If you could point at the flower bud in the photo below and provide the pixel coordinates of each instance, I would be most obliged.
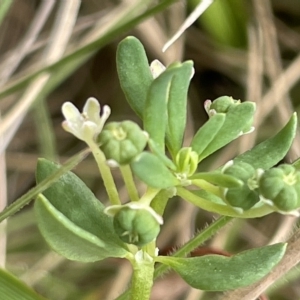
(245, 196)
(122, 141)
(226, 105)
(280, 187)
(186, 161)
(135, 223)
(220, 105)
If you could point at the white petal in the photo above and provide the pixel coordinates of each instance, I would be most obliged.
(72, 128)
(91, 109)
(70, 112)
(105, 115)
(88, 131)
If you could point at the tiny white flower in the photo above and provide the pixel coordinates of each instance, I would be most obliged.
(87, 125)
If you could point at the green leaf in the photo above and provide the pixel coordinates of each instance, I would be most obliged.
(11, 288)
(207, 132)
(73, 205)
(177, 106)
(219, 273)
(164, 108)
(68, 239)
(134, 73)
(150, 169)
(234, 124)
(219, 179)
(268, 153)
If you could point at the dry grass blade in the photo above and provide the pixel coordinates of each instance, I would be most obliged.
(59, 38)
(3, 203)
(198, 11)
(15, 57)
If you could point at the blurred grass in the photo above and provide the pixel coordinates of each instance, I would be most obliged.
(240, 48)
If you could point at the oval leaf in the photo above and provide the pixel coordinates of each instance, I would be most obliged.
(268, 153)
(74, 200)
(68, 239)
(219, 273)
(11, 288)
(134, 73)
(151, 170)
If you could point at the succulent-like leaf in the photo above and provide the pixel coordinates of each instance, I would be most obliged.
(219, 273)
(73, 204)
(232, 127)
(150, 169)
(134, 73)
(165, 109)
(207, 133)
(268, 153)
(177, 105)
(68, 239)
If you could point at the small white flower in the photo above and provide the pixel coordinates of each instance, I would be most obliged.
(87, 125)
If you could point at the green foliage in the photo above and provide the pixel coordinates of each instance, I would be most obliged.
(206, 134)
(219, 273)
(78, 226)
(165, 109)
(236, 121)
(269, 152)
(134, 73)
(150, 169)
(72, 220)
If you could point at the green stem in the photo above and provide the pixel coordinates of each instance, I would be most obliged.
(129, 182)
(107, 177)
(149, 195)
(202, 236)
(160, 201)
(223, 209)
(195, 242)
(142, 279)
(203, 184)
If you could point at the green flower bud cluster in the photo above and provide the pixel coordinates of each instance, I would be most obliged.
(220, 105)
(280, 187)
(186, 161)
(122, 141)
(135, 223)
(225, 105)
(245, 196)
